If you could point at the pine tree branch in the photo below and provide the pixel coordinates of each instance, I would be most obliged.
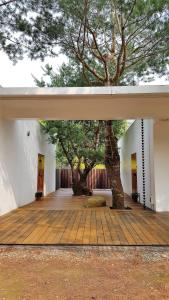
(7, 2)
(116, 16)
(85, 76)
(148, 52)
(130, 13)
(81, 59)
(121, 56)
(137, 21)
(144, 56)
(100, 54)
(141, 28)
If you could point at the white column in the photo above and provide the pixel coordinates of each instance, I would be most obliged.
(161, 165)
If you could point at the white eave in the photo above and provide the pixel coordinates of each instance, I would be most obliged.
(85, 102)
(79, 91)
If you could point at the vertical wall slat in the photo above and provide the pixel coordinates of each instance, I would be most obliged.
(97, 179)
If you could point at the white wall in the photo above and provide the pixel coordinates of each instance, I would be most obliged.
(127, 146)
(131, 143)
(19, 163)
(161, 165)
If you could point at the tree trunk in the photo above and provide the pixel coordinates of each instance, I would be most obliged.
(112, 163)
(79, 184)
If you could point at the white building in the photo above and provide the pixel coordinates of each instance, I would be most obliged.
(144, 152)
(22, 147)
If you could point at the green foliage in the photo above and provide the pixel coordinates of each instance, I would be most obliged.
(122, 40)
(69, 75)
(119, 127)
(29, 27)
(79, 142)
(76, 143)
(117, 38)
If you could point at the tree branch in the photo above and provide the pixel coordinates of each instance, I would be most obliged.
(130, 13)
(122, 53)
(146, 52)
(81, 59)
(100, 57)
(141, 57)
(141, 28)
(7, 2)
(70, 159)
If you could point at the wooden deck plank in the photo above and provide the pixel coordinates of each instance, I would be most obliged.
(127, 233)
(93, 231)
(87, 228)
(49, 226)
(153, 238)
(106, 231)
(27, 227)
(65, 239)
(132, 229)
(15, 226)
(156, 230)
(115, 217)
(139, 230)
(112, 229)
(74, 229)
(43, 223)
(80, 231)
(99, 228)
(60, 227)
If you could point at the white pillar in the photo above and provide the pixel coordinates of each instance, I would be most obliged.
(161, 165)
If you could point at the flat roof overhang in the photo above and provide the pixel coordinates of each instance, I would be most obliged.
(85, 103)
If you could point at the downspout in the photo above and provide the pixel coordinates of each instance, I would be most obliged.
(143, 163)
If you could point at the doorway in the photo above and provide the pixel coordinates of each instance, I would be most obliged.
(40, 180)
(134, 172)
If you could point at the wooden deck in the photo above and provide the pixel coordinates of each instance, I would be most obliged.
(63, 219)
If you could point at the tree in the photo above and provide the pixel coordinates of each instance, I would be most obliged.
(72, 75)
(112, 163)
(81, 143)
(114, 37)
(113, 40)
(119, 37)
(122, 37)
